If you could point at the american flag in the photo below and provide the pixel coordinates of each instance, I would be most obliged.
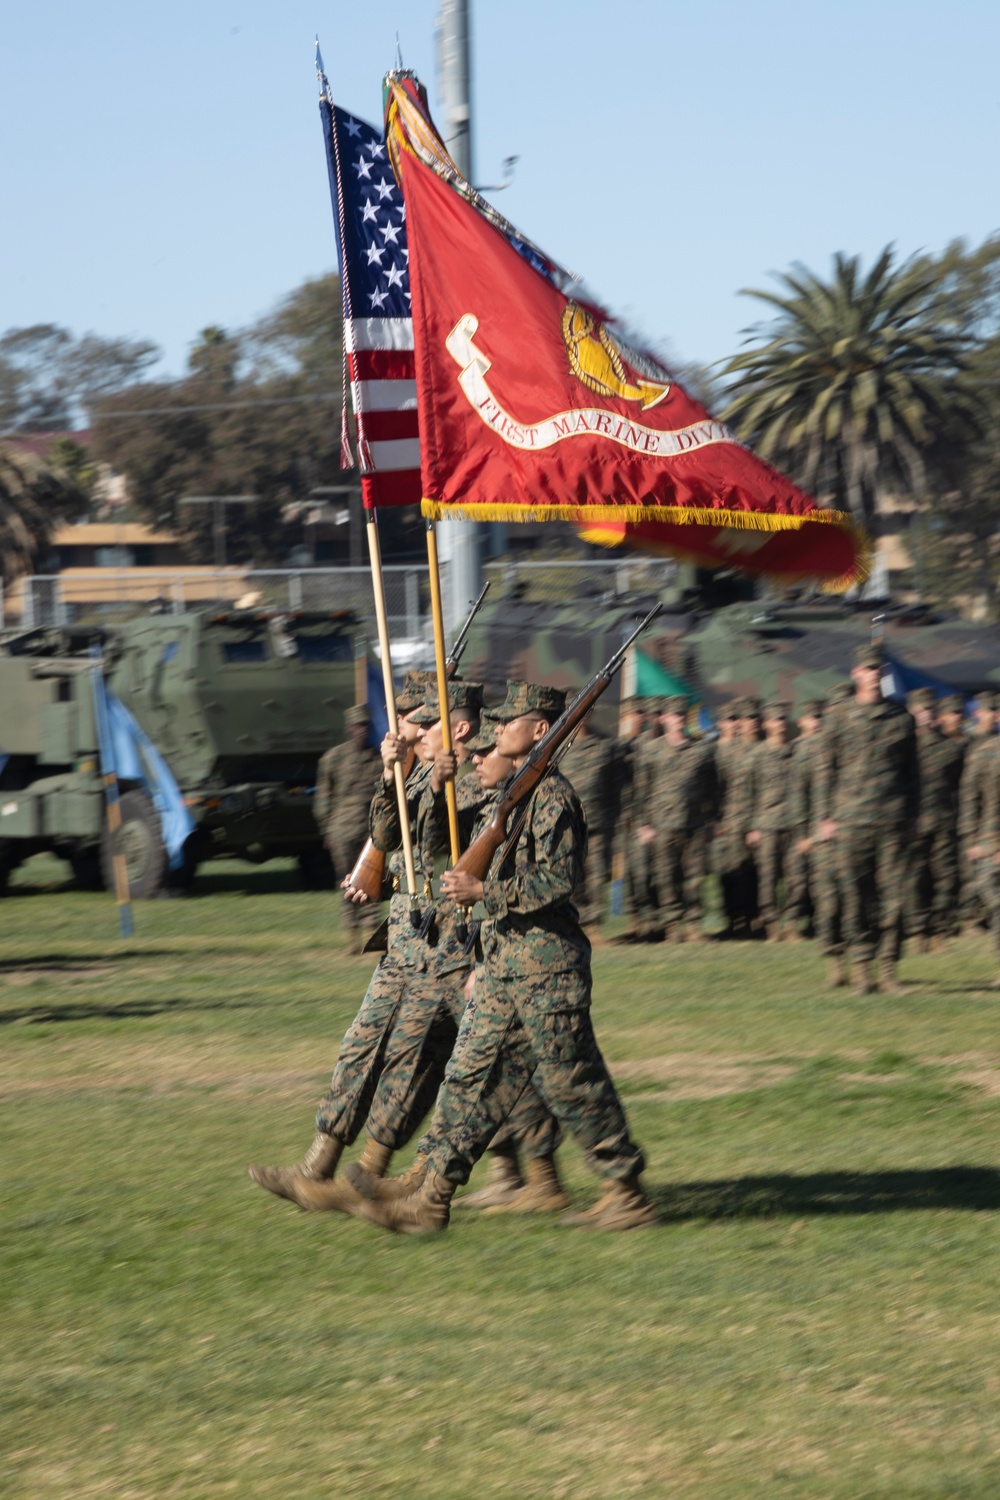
(370, 219)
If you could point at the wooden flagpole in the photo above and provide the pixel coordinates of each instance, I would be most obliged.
(375, 557)
(437, 616)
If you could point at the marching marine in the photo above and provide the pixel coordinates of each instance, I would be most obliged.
(529, 1017)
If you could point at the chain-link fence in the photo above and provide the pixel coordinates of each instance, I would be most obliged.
(566, 582)
(108, 596)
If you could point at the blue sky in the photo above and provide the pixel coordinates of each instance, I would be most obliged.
(163, 164)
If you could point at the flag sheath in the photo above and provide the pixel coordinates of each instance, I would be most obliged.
(442, 677)
(378, 587)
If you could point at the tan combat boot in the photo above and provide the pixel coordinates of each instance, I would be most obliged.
(385, 1189)
(836, 972)
(622, 1205)
(503, 1181)
(374, 1157)
(864, 984)
(318, 1165)
(887, 982)
(542, 1193)
(424, 1212)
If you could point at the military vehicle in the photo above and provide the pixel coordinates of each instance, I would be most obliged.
(240, 704)
(791, 650)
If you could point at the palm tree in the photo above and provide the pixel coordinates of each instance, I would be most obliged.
(34, 498)
(854, 381)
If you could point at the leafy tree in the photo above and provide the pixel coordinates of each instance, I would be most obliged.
(258, 413)
(956, 541)
(855, 381)
(34, 498)
(48, 378)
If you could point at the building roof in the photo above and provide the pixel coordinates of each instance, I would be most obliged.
(112, 534)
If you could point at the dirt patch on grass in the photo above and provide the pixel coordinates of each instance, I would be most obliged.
(55, 972)
(691, 1075)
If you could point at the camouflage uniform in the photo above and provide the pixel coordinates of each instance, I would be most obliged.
(868, 782)
(589, 768)
(986, 833)
(529, 1018)
(639, 899)
(344, 779)
(730, 856)
(815, 879)
(769, 811)
(975, 794)
(932, 887)
(677, 792)
(359, 1090)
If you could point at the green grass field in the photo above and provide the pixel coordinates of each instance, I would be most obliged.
(817, 1316)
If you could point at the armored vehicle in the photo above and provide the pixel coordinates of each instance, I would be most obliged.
(240, 705)
(787, 650)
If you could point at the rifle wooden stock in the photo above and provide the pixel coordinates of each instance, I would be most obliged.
(534, 768)
(368, 875)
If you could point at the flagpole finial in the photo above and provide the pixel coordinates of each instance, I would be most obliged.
(399, 54)
(321, 78)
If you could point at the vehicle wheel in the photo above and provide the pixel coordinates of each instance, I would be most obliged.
(316, 868)
(85, 862)
(140, 840)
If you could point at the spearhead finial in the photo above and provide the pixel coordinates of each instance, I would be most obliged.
(399, 55)
(324, 87)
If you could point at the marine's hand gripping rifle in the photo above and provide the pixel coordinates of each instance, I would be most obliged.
(541, 759)
(369, 870)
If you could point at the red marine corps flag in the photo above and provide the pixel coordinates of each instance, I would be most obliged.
(533, 407)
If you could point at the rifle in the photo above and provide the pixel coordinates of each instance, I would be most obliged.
(541, 759)
(368, 874)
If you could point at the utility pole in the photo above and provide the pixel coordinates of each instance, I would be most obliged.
(461, 542)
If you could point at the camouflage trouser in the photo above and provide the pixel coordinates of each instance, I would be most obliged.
(772, 858)
(680, 859)
(504, 1043)
(871, 872)
(931, 908)
(975, 901)
(800, 899)
(392, 1094)
(529, 1129)
(737, 878)
(591, 893)
(826, 898)
(640, 901)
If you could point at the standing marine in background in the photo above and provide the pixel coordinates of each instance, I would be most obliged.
(933, 877)
(677, 792)
(731, 858)
(344, 780)
(770, 817)
(977, 778)
(868, 797)
(639, 729)
(589, 767)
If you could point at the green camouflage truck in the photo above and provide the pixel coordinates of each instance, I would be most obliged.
(241, 705)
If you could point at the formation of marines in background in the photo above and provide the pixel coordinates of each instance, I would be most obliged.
(873, 825)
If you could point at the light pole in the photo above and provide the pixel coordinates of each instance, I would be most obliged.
(219, 502)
